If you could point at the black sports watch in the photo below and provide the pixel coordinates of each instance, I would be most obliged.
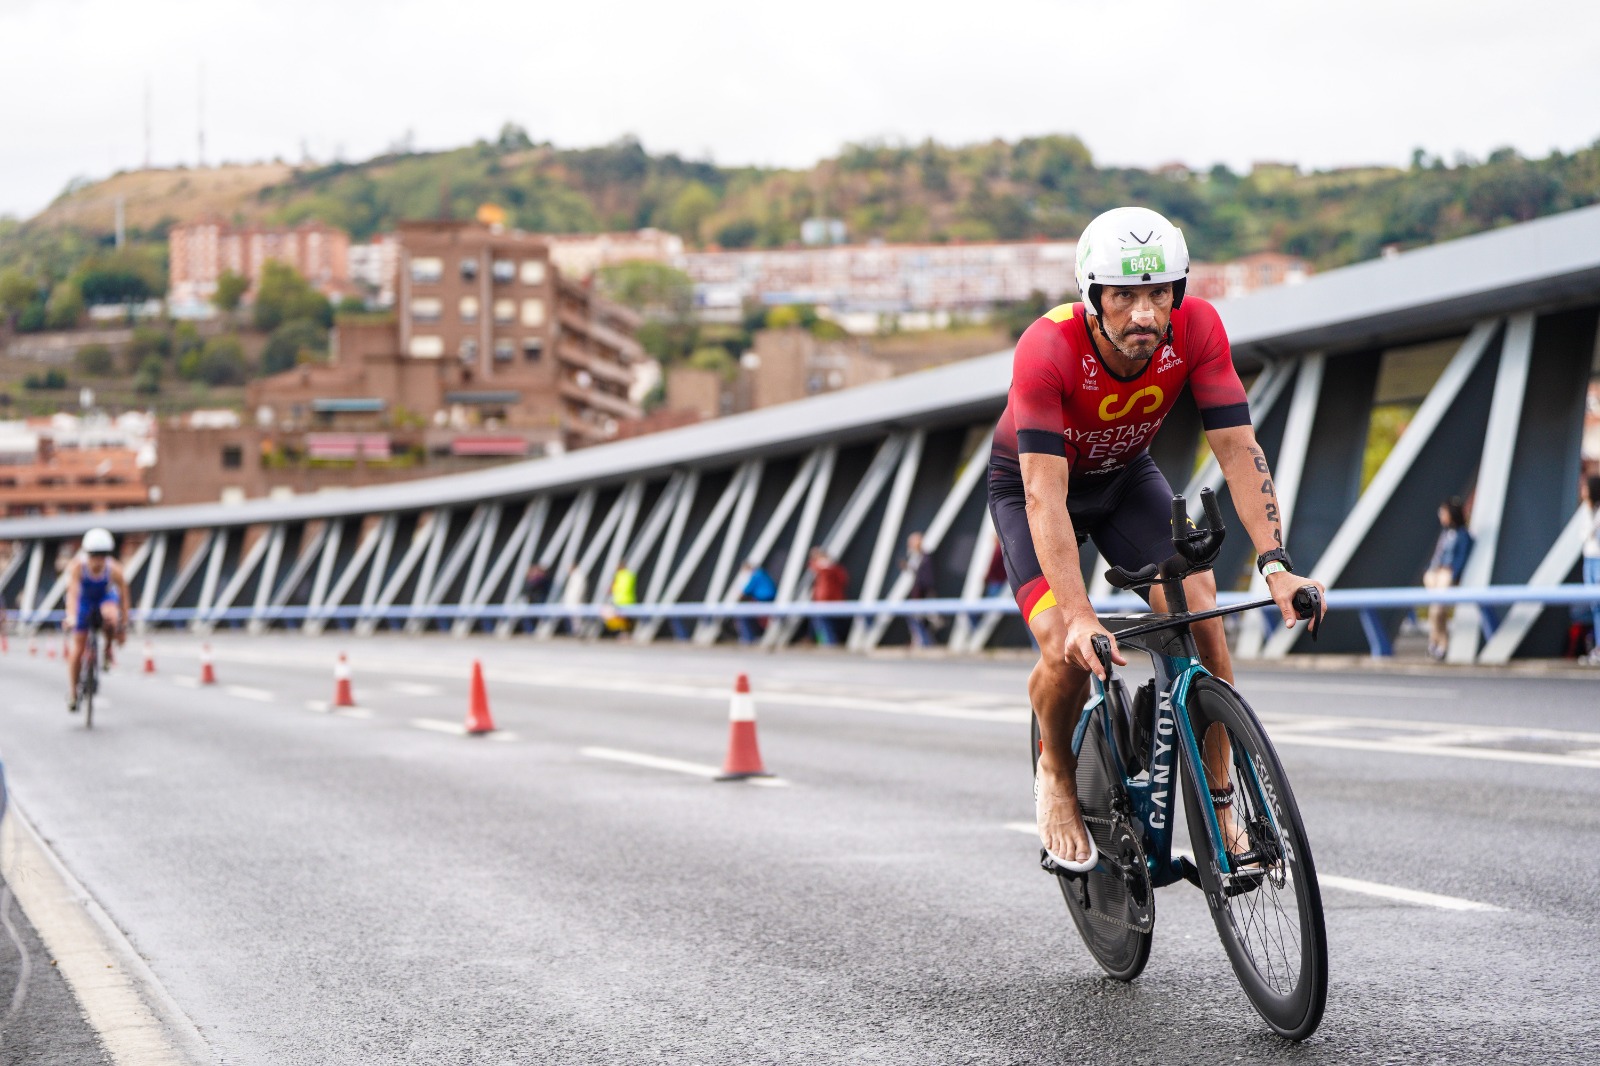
(1276, 555)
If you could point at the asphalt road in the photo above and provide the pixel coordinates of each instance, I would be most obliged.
(312, 887)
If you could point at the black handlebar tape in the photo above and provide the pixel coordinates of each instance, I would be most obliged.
(1208, 500)
(1180, 518)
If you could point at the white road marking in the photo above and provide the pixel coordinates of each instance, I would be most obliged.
(245, 692)
(440, 726)
(1408, 737)
(656, 762)
(1404, 895)
(186, 682)
(119, 996)
(324, 707)
(1347, 884)
(458, 729)
(1348, 688)
(1412, 746)
(412, 688)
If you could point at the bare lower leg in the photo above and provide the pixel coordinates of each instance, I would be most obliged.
(74, 658)
(1057, 692)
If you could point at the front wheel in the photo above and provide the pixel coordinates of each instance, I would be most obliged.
(1267, 908)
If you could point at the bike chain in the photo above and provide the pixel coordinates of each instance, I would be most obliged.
(1144, 873)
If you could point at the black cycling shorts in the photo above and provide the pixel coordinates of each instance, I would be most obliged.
(1129, 518)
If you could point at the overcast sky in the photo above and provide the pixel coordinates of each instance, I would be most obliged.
(741, 81)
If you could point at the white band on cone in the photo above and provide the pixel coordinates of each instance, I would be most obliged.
(741, 708)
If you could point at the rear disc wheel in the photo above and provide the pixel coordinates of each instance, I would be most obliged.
(1114, 904)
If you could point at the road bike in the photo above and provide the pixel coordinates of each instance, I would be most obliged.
(89, 669)
(1262, 892)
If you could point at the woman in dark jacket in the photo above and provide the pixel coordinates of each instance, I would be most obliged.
(1444, 570)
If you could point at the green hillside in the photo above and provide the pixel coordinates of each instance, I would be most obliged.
(1037, 187)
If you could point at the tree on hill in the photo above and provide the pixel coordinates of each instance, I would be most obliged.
(231, 287)
(288, 341)
(283, 295)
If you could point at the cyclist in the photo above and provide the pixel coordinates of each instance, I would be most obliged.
(1091, 384)
(96, 588)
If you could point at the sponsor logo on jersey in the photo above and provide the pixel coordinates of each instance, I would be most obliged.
(1169, 360)
(1091, 371)
(1113, 407)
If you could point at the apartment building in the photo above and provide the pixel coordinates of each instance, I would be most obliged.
(882, 279)
(492, 354)
(579, 255)
(199, 253)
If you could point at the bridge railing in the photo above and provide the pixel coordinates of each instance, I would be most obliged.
(1366, 601)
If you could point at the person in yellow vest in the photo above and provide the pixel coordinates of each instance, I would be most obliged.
(624, 593)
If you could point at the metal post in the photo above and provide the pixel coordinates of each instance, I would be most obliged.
(1494, 480)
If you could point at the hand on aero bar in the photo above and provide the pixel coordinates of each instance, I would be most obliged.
(1284, 585)
(1078, 650)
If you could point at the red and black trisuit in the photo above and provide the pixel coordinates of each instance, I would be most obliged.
(1065, 401)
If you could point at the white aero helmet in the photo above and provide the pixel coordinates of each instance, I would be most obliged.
(1131, 246)
(98, 541)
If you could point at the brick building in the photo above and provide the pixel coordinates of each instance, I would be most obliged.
(198, 253)
(64, 465)
(491, 354)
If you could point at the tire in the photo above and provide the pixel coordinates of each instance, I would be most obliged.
(1113, 905)
(89, 681)
(1271, 924)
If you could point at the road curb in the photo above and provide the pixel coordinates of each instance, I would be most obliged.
(121, 998)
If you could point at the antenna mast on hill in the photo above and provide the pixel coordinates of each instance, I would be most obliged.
(200, 118)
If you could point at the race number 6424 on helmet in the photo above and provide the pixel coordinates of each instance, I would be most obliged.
(1131, 246)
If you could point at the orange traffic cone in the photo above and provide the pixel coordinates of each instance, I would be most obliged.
(478, 720)
(33, 647)
(744, 756)
(208, 676)
(5, 645)
(341, 683)
(149, 658)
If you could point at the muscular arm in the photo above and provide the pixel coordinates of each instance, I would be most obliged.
(1255, 498)
(72, 594)
(1244, 464)
(121, 578)
(1044, 479)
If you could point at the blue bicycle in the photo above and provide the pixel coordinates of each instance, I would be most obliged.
(1251, 857)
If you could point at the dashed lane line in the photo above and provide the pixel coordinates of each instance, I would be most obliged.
(245, 692)
(1349, 884)
(1404, 895)
(439, 725)
(324, 707)
(656, 762)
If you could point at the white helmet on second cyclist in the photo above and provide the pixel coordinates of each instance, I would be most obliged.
(1131, 246)
(98, 541)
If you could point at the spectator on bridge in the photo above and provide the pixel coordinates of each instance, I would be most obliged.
(828, 583)
(536, 584)
(1450, 553)
(755, 586)
(1591, 558)
(574, 594)
(624, 593)
(919, 564)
